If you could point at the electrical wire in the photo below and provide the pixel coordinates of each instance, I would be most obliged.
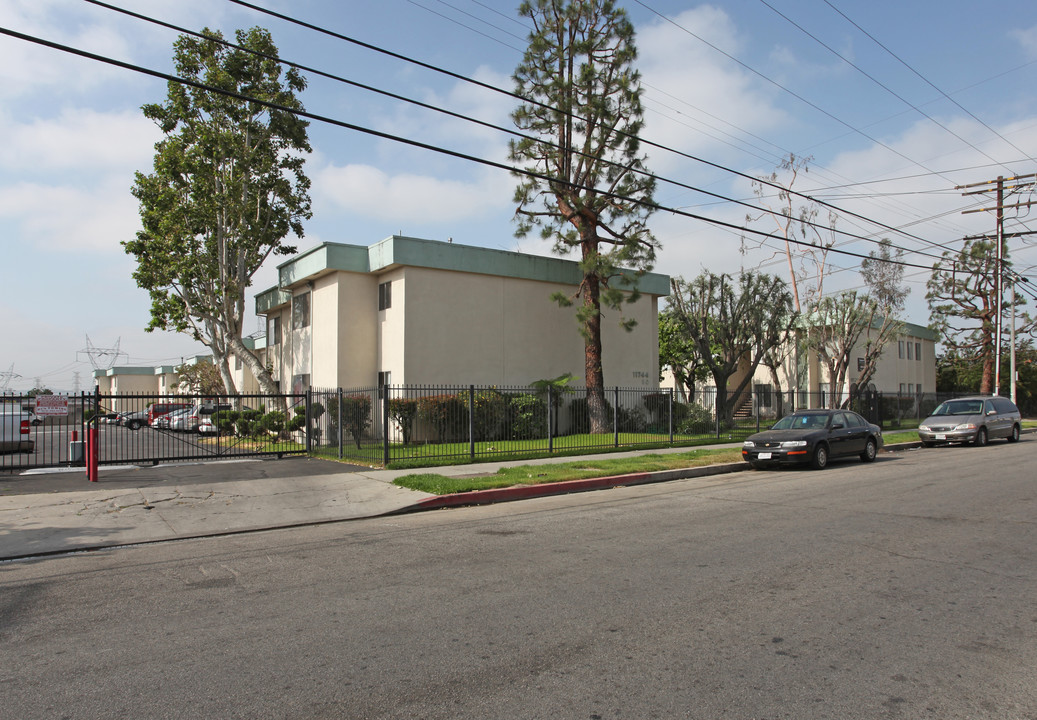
(407, 141)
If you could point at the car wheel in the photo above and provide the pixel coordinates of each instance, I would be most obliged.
(134, 424)
(981, 438)
(1014, 437)
(819, 461)
(870, 451)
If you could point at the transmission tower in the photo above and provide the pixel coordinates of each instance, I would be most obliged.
(101, 358)
(6, 378)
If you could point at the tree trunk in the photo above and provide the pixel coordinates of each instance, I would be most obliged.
(594, 378)
(259, 371)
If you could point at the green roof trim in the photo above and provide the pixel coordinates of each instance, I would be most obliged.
(398, 251)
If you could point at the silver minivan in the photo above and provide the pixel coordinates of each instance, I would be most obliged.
(971, 420)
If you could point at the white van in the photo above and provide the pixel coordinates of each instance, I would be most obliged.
(15, 431)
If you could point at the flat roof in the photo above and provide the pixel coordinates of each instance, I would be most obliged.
(400, 251)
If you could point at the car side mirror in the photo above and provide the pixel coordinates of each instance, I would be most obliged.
(838, 426)
(991, 412)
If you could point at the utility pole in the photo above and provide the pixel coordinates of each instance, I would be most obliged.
(999, 266)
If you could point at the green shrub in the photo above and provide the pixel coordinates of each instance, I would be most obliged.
(356, 416)
(446, 414)
(579, 415)
(403, 412)
(693, 419)
(490, 416)
(529, 417)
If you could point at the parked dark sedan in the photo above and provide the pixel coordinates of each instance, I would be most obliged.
(814, 436)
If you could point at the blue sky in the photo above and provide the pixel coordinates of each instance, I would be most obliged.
(947, 101)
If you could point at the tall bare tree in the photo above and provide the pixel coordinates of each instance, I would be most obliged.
(590, 195)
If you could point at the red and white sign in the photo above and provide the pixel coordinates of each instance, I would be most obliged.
(52, 405)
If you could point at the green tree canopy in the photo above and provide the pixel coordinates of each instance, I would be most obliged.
(583, 113)
(227, 189)
(962, 295)
(733, 324)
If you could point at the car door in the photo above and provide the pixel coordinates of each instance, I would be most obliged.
(994, 420)
(841, 436)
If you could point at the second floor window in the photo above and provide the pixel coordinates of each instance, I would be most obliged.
(273, 330)
(301, 311)
(385, 296)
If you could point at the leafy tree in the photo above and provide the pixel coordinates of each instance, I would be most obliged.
(733, 324)
(592, 197)
(885, 281)
(201, 378)
(960, 373)
(227, 188)
(962, 295)
(678, 352)
(835, 330)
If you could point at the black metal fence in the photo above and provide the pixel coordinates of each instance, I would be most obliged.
(152, 429)
(411, 425)
(428, 425)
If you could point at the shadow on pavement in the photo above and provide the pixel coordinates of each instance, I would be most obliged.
(123, 477)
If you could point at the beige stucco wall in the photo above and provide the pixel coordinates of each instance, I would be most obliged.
(466, 328)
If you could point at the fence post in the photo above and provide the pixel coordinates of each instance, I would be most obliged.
(669, 416)
(550, 420)
(309, 421)
(385, 424)
(471, 421)
(615, 417)
(757, 404)
(339, 426)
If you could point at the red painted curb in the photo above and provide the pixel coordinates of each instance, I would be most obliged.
(523, 492)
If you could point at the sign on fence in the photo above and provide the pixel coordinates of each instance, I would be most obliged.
(52, 405)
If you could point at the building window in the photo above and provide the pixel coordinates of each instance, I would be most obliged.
(384, 380)
(909, 349)
(901, 348)
(918, 351)
(273, 330)
(301, 311)
(763, 395)
(903, 389)
(385, 296)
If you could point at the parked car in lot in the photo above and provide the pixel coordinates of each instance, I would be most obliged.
(165, 422)
(15, 433)
(814, 436)
(157, 410)
(971, 420)
(133, 420)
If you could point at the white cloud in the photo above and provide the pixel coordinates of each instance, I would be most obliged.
(372, 193)
(694, 95)
(1027, 39)
(91, 218)
(80, 139)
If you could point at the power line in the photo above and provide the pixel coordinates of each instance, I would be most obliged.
(877, 82)
(492, 88)
(407, 141)
(927, 82)
(434, 108)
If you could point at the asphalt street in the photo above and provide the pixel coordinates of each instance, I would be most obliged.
(901, 589)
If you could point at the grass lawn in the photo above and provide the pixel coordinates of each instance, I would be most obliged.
(538, 474)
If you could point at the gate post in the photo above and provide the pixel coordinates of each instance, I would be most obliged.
(615, 418)
(339, 425)
(471, 422)
(384, 394)
(550, 420)
(309, 422)
(669, 415)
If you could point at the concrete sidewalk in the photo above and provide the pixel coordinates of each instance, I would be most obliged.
(132, 505)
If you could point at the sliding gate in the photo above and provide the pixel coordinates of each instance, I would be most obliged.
(135, 429)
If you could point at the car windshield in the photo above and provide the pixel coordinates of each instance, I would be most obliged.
(960, 407)
(801, 422)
